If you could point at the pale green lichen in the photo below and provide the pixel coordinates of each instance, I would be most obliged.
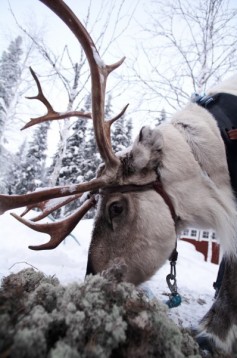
(99, 318)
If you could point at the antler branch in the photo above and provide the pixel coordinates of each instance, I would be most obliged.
(8, 202)
(51, 114)
(99, 74)
(49, 206)
(43, 198)
(109, 123)
(58, 231)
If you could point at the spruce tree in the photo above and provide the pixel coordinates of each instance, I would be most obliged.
(70, 172)
(73, 160)
(10, 73)
(91, 156)
(16, 169)
(121, 134)
(161, 118)
(33, 167)
(121, 131)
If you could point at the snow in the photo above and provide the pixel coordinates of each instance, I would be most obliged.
(68, 262)
(52, 203)
(98, 60)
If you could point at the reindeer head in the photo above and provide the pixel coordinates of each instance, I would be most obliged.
(134, 223)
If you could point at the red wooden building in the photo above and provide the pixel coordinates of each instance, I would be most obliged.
(204, 242)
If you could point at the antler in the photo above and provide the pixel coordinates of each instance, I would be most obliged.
(58, 231)
(49, 206)
(51, 113)
(45, 199)
(99, 74)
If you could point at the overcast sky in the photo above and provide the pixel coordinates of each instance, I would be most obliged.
(32, 14)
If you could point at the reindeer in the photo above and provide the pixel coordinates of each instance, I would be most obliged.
(171, 177)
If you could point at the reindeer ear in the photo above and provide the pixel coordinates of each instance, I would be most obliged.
(147, 148)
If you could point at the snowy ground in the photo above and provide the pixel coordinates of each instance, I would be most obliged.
(68, 263)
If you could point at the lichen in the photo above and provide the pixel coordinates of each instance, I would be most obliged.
(101, 317)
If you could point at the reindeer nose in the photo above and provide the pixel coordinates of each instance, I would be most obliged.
(89, 269)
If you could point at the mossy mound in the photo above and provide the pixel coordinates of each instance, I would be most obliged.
(99, 318)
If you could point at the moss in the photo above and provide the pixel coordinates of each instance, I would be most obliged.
(63, 350)
(99, 318)
(29, 343)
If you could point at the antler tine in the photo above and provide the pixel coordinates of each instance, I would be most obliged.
(109, 123)
(8, 202)
(49, 206)
(51, 114)
(58, 231)
(99, 74)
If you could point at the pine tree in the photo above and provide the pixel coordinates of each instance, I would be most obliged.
(33, 168)
(71, 170)
(161, 118)
(73, 160)
(121, 134)
(121, 131)
(91, 156)
(16, 169)
(10, 72)
(71, 163)
(5, 159)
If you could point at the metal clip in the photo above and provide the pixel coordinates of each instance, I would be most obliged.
(171, 278)
(174, 298)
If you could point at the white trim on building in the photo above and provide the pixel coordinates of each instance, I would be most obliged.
(198, 235)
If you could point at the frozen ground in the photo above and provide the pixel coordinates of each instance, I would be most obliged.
(68, 263)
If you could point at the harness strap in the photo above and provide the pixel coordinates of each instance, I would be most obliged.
(126, 188)
(156, 185)
(160, 190)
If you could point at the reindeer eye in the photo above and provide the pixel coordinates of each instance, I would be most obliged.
(115, 209)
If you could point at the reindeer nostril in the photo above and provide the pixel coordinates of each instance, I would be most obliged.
(115, 209)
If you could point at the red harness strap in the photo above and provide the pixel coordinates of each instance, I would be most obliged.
(157, 185)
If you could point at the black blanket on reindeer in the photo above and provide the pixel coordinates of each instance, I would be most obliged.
(223, 107)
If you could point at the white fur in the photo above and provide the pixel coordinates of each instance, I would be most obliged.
(146, 148)
(227, 86)
(208, 197)
(194, 172)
